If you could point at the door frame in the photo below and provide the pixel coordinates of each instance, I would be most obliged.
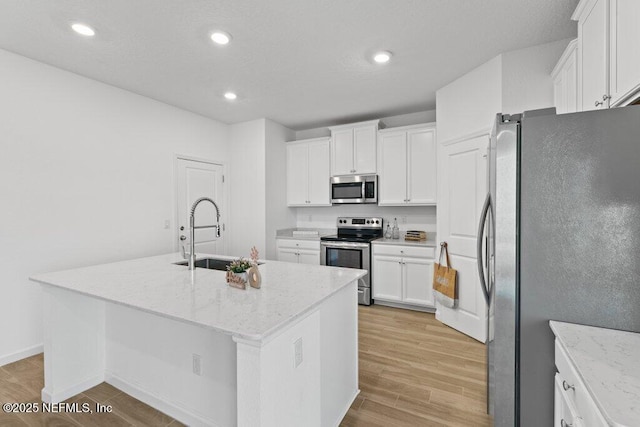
(225, 196)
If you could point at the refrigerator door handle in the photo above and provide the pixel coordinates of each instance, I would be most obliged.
(483, 220)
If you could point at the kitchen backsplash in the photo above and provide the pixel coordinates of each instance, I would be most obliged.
(409, 218)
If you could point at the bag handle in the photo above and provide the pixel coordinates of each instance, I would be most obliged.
(444, 247)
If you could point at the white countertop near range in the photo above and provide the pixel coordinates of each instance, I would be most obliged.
(607, 362)
(429, 243)
(307, 233)
(202, 297)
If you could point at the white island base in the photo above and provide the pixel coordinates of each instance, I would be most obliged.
(303, 371)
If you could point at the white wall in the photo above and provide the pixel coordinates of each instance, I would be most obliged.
(469, 104)
(86, 177)
(278, 215)
(247, 221)
(409, 217)
(257, 185)
(526, 77)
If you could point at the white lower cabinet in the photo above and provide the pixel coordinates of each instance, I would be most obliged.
(573, 404)
(298, 251)
(403, 274)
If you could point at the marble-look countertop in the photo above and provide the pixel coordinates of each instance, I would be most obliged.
(607, 362)
(287, 233)
(429, 243)
(202, 297)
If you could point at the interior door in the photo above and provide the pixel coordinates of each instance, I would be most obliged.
(462, 188)
(197, 179)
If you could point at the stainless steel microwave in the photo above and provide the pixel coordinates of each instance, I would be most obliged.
(354, 189)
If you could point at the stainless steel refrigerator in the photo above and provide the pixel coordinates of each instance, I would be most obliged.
(559, 239)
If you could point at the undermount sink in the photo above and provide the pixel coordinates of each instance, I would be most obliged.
(210, 263)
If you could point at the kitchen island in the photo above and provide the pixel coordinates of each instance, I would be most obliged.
(205, 353)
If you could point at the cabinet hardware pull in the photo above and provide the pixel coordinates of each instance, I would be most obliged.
(563, 423)
(605, 97)
(183, 237)
(598, 103)
(567, 386)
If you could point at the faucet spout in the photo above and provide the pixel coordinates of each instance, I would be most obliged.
(192, 228)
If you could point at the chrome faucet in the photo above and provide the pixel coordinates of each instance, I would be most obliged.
(192, 228)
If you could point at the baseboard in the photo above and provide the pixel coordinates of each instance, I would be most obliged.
(19, 355)
(175, 411)
(405, 306)
(346, 409)
(60, 396)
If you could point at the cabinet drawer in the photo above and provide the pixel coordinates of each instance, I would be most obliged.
(299, 244)
(577, 392)
(400, 251)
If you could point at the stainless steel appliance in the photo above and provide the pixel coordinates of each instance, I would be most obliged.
(562, 224)
(354, 189)
(351, 248)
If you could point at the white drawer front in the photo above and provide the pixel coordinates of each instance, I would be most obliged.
(575, 391)
(400, 251)
(299, 244)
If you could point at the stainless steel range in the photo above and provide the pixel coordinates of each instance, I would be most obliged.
(351, 248)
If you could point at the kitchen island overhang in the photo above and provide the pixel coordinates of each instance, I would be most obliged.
(201, 351)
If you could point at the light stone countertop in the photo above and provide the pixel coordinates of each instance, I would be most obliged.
(607, 362)
(429, 243)
(202, 297)
(287, 233)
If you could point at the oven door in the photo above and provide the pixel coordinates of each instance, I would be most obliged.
(350, 255)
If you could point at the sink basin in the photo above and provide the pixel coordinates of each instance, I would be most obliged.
(210, 263)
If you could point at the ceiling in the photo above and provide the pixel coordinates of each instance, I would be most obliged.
(301, 63)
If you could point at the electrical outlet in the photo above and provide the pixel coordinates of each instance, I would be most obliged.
(309, 218)
(167, 224)
(297, 351)
(197, 364)
(403, 219)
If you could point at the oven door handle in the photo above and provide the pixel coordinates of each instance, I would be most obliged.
(344, 244)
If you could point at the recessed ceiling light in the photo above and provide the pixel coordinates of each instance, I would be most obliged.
(382, 57)
(83, 29)
(221, 37)
(230, 96)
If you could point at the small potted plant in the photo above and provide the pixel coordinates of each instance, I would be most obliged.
(239, 268)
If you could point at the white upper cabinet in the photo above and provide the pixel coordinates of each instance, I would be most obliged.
(407, 165)
(353, 148)
(608, 54)
(624, 74)
(565, 80)
(308, 173)
(593, 46)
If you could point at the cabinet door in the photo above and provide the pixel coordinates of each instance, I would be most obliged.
(319, 174)
(288, 255)
(570, 82)
(417, 281)
(421, 167)
(309, 257)
(593, 39)
(624, 70)
(387, 278)
(364, 147)
(297, 175)
(392, 182)
(342, 152)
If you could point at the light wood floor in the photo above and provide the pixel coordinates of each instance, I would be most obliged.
(414, 371)
(22, 381)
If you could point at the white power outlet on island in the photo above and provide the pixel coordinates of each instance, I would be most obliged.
(197, 364)
(297, 350)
